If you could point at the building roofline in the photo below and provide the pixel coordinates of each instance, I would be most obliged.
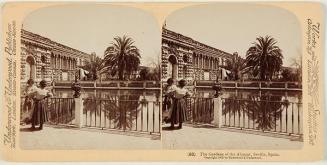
(197, 43)
(54, 43)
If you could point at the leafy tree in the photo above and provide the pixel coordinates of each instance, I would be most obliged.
(264, 58)
(94, 67)
(236, 65)
(144, 74)
(288, 75)
(297, 63)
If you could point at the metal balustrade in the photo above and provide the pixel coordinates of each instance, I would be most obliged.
(58, 110)
(119, 114)
(125, 115)
(251, 85)
(256, 113)
(151, 85)
(199, 110)
(264, 115)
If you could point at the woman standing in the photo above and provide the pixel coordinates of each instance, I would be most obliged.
(178, 115)
(39, 115)
(168, 99)
(28, 102)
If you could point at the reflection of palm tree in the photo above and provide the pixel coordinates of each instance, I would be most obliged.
(121, 110)
(200, 109)
(60, 110)
(265, 111)
(264, 58)
(122, 57)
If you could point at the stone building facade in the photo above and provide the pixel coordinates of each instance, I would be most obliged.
(44, 59)
(185, 58)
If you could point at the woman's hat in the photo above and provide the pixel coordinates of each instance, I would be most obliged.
(30, 81)
(182, 82)
(43, 83)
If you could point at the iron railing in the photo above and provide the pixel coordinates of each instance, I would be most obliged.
(111, 84)
(199, 110)
(293, 86)
(282, 117)
(264, 115)
(58, 110)
(125, 115)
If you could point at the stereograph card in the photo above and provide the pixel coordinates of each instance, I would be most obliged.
(212, 81)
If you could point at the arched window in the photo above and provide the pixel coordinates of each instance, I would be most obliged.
(43, 58)
(30, 68)
(185, 58)
(172, 67)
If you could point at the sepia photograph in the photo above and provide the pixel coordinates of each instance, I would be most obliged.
(90, 78)
(232, 78)
(162, 81)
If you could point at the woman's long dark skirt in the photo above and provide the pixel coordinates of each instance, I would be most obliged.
(178, 115)
(39, 115)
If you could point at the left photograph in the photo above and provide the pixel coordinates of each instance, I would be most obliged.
(90, 78)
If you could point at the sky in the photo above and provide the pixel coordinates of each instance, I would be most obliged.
(234, 27)
(92, 28)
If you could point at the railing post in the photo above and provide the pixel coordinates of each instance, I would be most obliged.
(217, 109)
(144, 84)
(78, 112)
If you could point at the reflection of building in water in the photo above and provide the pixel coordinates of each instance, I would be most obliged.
(44, 59)
(185, 58)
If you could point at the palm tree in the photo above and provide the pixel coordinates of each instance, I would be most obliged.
(264, 58)
(94, 66)
(122, 57)
(236, 65)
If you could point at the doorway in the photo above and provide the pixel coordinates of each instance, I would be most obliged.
(30, 68)
(172, 67)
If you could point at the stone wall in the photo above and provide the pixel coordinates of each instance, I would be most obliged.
(194, 58)
(48, 59)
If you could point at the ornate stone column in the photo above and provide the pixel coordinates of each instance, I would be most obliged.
(59, 62)
(210, 66)
(202, 61)
(198, 61)
(55, 59)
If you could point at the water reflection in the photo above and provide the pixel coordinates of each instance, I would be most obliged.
(279, 111)
(135, 110)
(266, 112)
(120, 110)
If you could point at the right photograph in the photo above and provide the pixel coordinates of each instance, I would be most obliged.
(231, 78)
